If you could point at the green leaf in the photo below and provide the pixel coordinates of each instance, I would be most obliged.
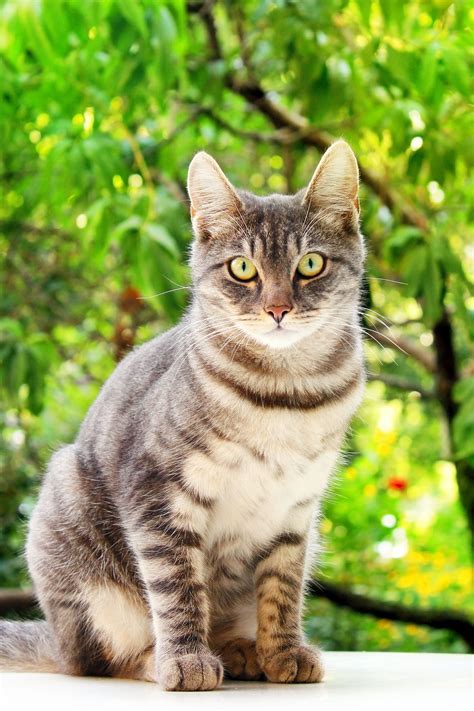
(133, 12)
(131, 224)
(456, 70)
(414, 269)
(161, 236)
(393, 12)
(463, 391)
(16, 366)
(36, 36)
(10, 330)
(428, 72)
(36, 385)
(401, 239)
(365, 7)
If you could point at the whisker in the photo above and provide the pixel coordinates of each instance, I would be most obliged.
(162, 293)
(393, 281)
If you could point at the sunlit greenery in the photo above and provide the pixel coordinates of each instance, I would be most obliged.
(102, 106)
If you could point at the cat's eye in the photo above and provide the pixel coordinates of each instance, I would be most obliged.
(311, 265)
(242, 269)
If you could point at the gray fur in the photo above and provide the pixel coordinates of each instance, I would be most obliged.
(177, 531)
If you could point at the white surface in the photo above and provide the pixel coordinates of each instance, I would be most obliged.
(365, 681)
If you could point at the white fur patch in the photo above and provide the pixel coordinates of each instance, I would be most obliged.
(121, 622)
(254, 499)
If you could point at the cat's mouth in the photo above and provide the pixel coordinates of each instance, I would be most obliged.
(275, 335)
(279, 328)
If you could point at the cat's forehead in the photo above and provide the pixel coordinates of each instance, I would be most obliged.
(283, 225)
(272, 211)
(271, 227)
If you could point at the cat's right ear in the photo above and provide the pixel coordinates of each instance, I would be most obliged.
(213, 198)
(335, 183)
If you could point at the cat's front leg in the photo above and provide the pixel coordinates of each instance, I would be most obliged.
(168, 541)
(281, 649)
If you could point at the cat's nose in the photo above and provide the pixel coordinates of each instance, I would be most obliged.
(278, 312)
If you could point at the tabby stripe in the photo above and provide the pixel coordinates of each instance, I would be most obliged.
(256, 363)
(190, 639)
(284, 539)
(160, 550)
(264, 597)
(281, 577)
(171, 586)
(195, 496)
(298, 401)
(220, 435)
(348, 264)
(182, 626)
(288, 539)
(304, 502)
(190, 438)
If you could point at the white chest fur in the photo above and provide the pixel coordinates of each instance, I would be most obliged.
(258, 480)
(269, 459)
(258, 497)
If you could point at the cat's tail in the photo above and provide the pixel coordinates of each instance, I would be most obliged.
(27, 647)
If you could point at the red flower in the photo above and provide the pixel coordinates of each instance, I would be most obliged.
(396, 483)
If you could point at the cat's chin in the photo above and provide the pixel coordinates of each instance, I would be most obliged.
(278, 338)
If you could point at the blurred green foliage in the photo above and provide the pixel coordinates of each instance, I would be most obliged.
(103, 105)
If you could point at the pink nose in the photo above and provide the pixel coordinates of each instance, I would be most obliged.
(278, 312)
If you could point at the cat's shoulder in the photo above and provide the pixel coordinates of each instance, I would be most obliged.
(152, 359)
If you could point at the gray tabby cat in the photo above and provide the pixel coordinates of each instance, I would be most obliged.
(172, 540)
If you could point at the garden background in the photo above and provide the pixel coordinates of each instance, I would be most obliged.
(103, 104)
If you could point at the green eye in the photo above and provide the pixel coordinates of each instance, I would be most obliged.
(311, 265)
(242, 269)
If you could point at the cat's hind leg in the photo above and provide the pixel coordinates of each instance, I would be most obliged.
(106, 633)
(234, 640)
(239, 657)
(77, 648)
(121, 621)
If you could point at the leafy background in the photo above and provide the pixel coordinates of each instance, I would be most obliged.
(102, 106)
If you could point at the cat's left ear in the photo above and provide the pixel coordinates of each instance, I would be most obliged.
(335, 183)
(214, 199)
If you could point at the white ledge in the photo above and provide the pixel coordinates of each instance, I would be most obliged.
(354, 680)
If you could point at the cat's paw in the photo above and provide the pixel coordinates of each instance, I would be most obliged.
(201, 671)
(239, 657)
(295, 665)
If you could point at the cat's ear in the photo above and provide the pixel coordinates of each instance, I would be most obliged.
(213, 198)
(335, 183)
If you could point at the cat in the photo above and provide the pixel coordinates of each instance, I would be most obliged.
(173, 539)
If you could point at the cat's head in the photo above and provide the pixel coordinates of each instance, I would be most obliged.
(279, 268)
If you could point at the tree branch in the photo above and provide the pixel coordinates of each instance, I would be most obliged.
(29, 228)
(447, 375)
(16, 600)
(394, 381)
(282, 136)
(282, 118)
(177, 190)
(405, 345)
(436, 619)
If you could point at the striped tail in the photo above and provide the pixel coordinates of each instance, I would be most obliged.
(27, 647)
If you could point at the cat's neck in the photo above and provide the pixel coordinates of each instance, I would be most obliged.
(227, 342)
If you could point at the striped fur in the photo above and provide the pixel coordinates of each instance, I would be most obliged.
(175, 535)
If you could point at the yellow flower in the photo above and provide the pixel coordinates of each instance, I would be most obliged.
(370, 490)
